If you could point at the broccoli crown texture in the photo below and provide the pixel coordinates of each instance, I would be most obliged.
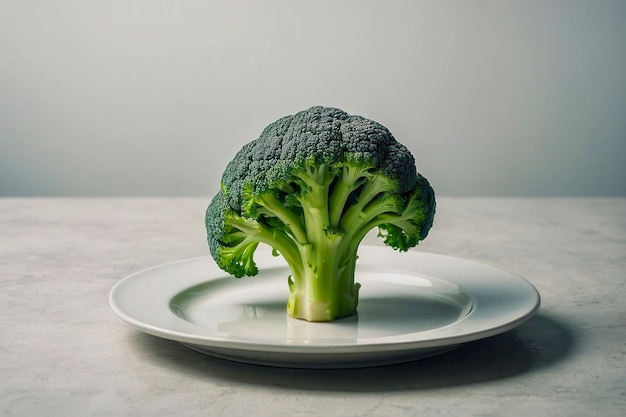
(311, 187)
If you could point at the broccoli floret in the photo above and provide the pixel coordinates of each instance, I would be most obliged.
(311, 187)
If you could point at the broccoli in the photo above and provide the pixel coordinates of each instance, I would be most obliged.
(311, 187)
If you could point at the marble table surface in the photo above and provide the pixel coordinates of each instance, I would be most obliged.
(63, 352)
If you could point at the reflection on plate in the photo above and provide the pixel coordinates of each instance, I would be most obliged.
(411, 305)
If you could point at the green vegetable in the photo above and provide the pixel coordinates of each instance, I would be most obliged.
(311, 187)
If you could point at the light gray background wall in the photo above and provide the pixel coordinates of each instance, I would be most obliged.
(154, 97)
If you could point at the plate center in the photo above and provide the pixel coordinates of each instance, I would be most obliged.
(390, 304)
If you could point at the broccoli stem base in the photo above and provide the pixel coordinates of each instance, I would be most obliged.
(324, 289)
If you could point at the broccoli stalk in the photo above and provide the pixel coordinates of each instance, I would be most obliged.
(314, 209)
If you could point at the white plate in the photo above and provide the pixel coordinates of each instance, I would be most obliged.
(411, 305)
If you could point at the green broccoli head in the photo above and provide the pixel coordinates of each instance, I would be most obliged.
(311, 187)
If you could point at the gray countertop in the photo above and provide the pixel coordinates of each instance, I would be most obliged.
(63, 352)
